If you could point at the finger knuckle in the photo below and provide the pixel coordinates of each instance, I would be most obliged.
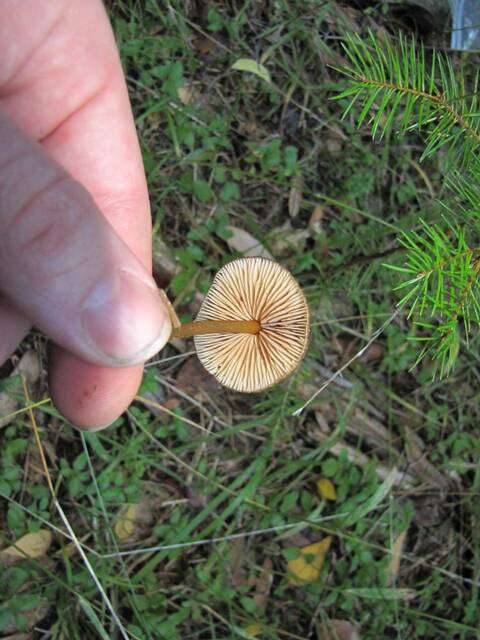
(47, 232)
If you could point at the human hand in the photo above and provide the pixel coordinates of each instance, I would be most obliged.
(75, 246)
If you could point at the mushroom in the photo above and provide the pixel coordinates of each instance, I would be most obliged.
(253, 326)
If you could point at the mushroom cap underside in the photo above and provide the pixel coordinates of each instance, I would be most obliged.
(254, 289)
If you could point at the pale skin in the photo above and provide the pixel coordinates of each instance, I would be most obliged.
(74, 208)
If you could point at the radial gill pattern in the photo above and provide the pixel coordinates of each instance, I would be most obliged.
(254, 289)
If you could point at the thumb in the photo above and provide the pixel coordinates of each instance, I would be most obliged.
(63, 266)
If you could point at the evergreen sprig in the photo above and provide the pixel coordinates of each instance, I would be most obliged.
(442, 288)
(397, 90)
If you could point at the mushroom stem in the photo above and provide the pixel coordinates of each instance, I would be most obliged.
(205, 327)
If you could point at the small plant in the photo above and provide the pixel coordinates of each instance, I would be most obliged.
(400, 89)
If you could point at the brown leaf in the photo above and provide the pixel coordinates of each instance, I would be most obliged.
(32, 545)
(263, 584)
(337, 630)
(419, 464)
(243, 242)
(194, 379)
(334, 145)
(428, 512)
(30, 618)
(295, 197)
(315, 222)
(203, 45)
(349, 347)
(236, 554)
(29, 368)
(164, 266)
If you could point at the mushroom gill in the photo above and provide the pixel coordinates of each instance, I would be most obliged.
(259, 290)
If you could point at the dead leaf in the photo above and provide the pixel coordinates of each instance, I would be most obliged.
(203, 45)
(428, 512)
(253, 630)
(164, 266)
(172, 314)
(295, 197)
(31, 618)
(236, 562)
(186, 94)
(132, 520)
(243, 242)
(125, 525)
(288, 240)
(29, 367)
(326, 489)
(337, 630)
(348, 346)
(8, 405)
(307, 566)
(194, 379)
(419, 463)
(263, 584)
(294, 538)
(334, 146)
(161, 408)
(315, 222)
(395, 558)
(32, 545)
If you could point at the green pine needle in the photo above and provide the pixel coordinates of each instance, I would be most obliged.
(396, 89)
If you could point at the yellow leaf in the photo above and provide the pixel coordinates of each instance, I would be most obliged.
(32, 545)
(253, 629)
(252, 66)
(125, 525)
(306, 568)
(326, 489)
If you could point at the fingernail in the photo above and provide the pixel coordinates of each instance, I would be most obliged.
(125, 319)
(92, 429)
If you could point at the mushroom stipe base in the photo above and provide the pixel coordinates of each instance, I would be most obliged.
(206, 327)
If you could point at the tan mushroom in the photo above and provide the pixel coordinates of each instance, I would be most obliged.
(253, 326)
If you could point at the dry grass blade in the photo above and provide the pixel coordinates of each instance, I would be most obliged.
(65, 521)
(339, 371)
(394, 564)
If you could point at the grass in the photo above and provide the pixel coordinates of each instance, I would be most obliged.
(226, 483)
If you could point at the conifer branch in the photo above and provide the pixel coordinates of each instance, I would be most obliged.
(397, 90)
